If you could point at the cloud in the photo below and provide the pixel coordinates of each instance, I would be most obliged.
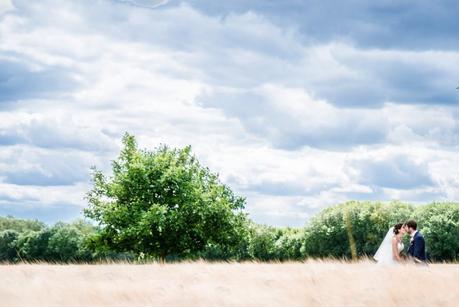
(49, 214)
(382, 24)
(256, 51)
(43, 196)
(346, 76)
(294, 112)
(30, 166)
(5, 6)
(290, 118)
(397, 172)
(408, 77)
(20, 81)
(150, 4)
(40, 130)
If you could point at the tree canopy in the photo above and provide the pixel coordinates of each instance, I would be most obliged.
(163, 203)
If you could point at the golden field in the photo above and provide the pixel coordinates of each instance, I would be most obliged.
(312, 283)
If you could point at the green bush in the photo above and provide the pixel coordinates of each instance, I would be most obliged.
(288, 245)
(263, 242)
(33, 245)
(20, 225)
(439, 223)
(67, 242)
(61, 243)
(342, 231)
(8, 248)
(238, 250)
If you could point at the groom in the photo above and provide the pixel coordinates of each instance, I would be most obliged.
(417, 248)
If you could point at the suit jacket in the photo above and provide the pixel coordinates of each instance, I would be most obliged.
(417, 248)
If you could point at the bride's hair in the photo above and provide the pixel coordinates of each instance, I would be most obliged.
(397, 228)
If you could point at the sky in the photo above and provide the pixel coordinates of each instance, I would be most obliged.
(298, 105)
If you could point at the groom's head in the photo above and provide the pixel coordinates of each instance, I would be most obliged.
(411, 226)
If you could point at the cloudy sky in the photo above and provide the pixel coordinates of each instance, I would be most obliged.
(296, 104)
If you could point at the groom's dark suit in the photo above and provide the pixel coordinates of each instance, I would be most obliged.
(418, 247)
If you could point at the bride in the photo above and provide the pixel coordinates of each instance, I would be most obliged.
(391, 247)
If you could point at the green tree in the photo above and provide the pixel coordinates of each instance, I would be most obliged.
(439, 223)
(263, 242)
(33, 245)
(162, 203)
(237, 250)
(20, 225)
(67, 242)
(288, 245)
(62, 243)
(8, 249)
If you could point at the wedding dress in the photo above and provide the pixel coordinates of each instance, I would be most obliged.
(400, 247)
(384, 253)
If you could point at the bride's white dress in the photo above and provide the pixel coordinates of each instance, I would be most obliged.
(384, 253)
(400, 247)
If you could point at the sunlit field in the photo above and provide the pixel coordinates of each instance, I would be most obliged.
(229, 284)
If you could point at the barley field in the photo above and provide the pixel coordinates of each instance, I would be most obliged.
(312, 283)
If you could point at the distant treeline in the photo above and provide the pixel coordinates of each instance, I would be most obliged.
(332, 233)
(32, 240)
(163, 204)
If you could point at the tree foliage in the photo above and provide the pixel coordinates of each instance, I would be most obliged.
(20, 225)
(439, 223)
(326, 235)
(163, 203)
(60, 243)
(8, 240)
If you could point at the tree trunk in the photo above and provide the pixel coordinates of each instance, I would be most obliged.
(162, 258)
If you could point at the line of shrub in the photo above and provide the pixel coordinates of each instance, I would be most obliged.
(325, 235)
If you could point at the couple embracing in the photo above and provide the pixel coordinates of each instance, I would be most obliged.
(390, 252)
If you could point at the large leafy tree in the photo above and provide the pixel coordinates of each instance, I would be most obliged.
(163, 203)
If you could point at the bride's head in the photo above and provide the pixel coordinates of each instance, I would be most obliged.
(398, 229)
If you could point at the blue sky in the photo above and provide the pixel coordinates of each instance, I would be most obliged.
(298, 105)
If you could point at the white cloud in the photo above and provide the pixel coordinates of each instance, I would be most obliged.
(151, 4)
(5, 6)
(281, 121)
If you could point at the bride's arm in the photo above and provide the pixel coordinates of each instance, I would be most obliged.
(395, 252)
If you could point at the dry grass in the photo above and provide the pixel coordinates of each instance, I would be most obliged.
(239, 284)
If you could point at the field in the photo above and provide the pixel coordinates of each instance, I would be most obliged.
(311, 283)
